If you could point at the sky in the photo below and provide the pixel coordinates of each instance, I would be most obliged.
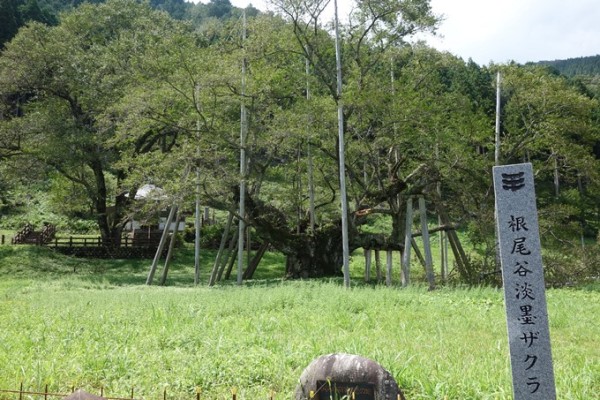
(509, 30)
(519, 30)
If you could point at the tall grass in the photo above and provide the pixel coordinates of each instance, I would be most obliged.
(67, 322)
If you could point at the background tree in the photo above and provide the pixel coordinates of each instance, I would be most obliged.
(73, 72)
(114, 103)
(17, 13)
(553, 125)
(9, 21)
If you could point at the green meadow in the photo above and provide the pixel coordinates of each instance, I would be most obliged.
(95, 325)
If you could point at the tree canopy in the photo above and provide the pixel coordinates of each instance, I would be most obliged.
(135, 97)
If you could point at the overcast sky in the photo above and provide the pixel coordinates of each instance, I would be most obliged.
(509, 30)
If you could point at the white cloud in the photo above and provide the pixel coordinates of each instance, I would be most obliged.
(502, 31)
(525, 30)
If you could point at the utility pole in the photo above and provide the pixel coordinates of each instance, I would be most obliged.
(497, 157)
(497, 148)
(342, 161)
(243, 135)
(197, 222)
(311, 184)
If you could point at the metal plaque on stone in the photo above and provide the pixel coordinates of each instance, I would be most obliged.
(328, 390)
(523, 280)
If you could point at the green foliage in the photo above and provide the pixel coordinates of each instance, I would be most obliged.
(576, 66)
(572, 265)
(210, 235)
(554, 126)
(17, 13)
(77, 70)
(135, 97)
(31, 204)
(68, 198)
(8, 21)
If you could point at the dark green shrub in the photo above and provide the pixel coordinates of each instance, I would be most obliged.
(210, 235)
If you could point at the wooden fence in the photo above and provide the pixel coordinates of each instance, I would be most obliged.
(22, 394)
(95, 247)
(28, 235)
(87, 241)
(141, 246)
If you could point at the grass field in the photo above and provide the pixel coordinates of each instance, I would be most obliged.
(90, 324)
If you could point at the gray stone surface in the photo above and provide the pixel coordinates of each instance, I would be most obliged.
(348, 368)
(523, 280)
(81, 395)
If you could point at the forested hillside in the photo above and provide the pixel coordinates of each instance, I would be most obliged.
(94, 108)
(17, 13)
(582, 69)
(576, 66)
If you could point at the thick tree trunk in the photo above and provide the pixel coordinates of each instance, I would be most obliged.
(309, 255)
(316, 255)
(110, 219)
(100, 204)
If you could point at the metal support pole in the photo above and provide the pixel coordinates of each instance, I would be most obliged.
(243, 135)
(342, 161)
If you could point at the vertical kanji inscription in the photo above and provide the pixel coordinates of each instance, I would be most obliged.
(523, 280)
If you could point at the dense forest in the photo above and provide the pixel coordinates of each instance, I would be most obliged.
(582, 70)
(576, 66)
(17, 13)
(95, 108)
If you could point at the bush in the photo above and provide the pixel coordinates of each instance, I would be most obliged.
(33, 206)
(210, 235)
(572, 266)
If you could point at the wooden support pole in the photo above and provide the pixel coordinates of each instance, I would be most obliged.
(229, 256)
(388, 270)
(248, 247)
(378, 265)
(459, 255)
(407, 244)
(253, 264)
(161, 245)
(426, 244)
(462, 261)
(443, 252)
(197, 226)
(418, 254)
(235, 242)
(163, 279)
(213, 274)
(367, 264)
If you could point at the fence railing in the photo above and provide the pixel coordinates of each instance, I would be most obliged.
(46, 394)
(28, 235)
(87, 241)
(22, 234)
(95, 247)
(48, 233)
